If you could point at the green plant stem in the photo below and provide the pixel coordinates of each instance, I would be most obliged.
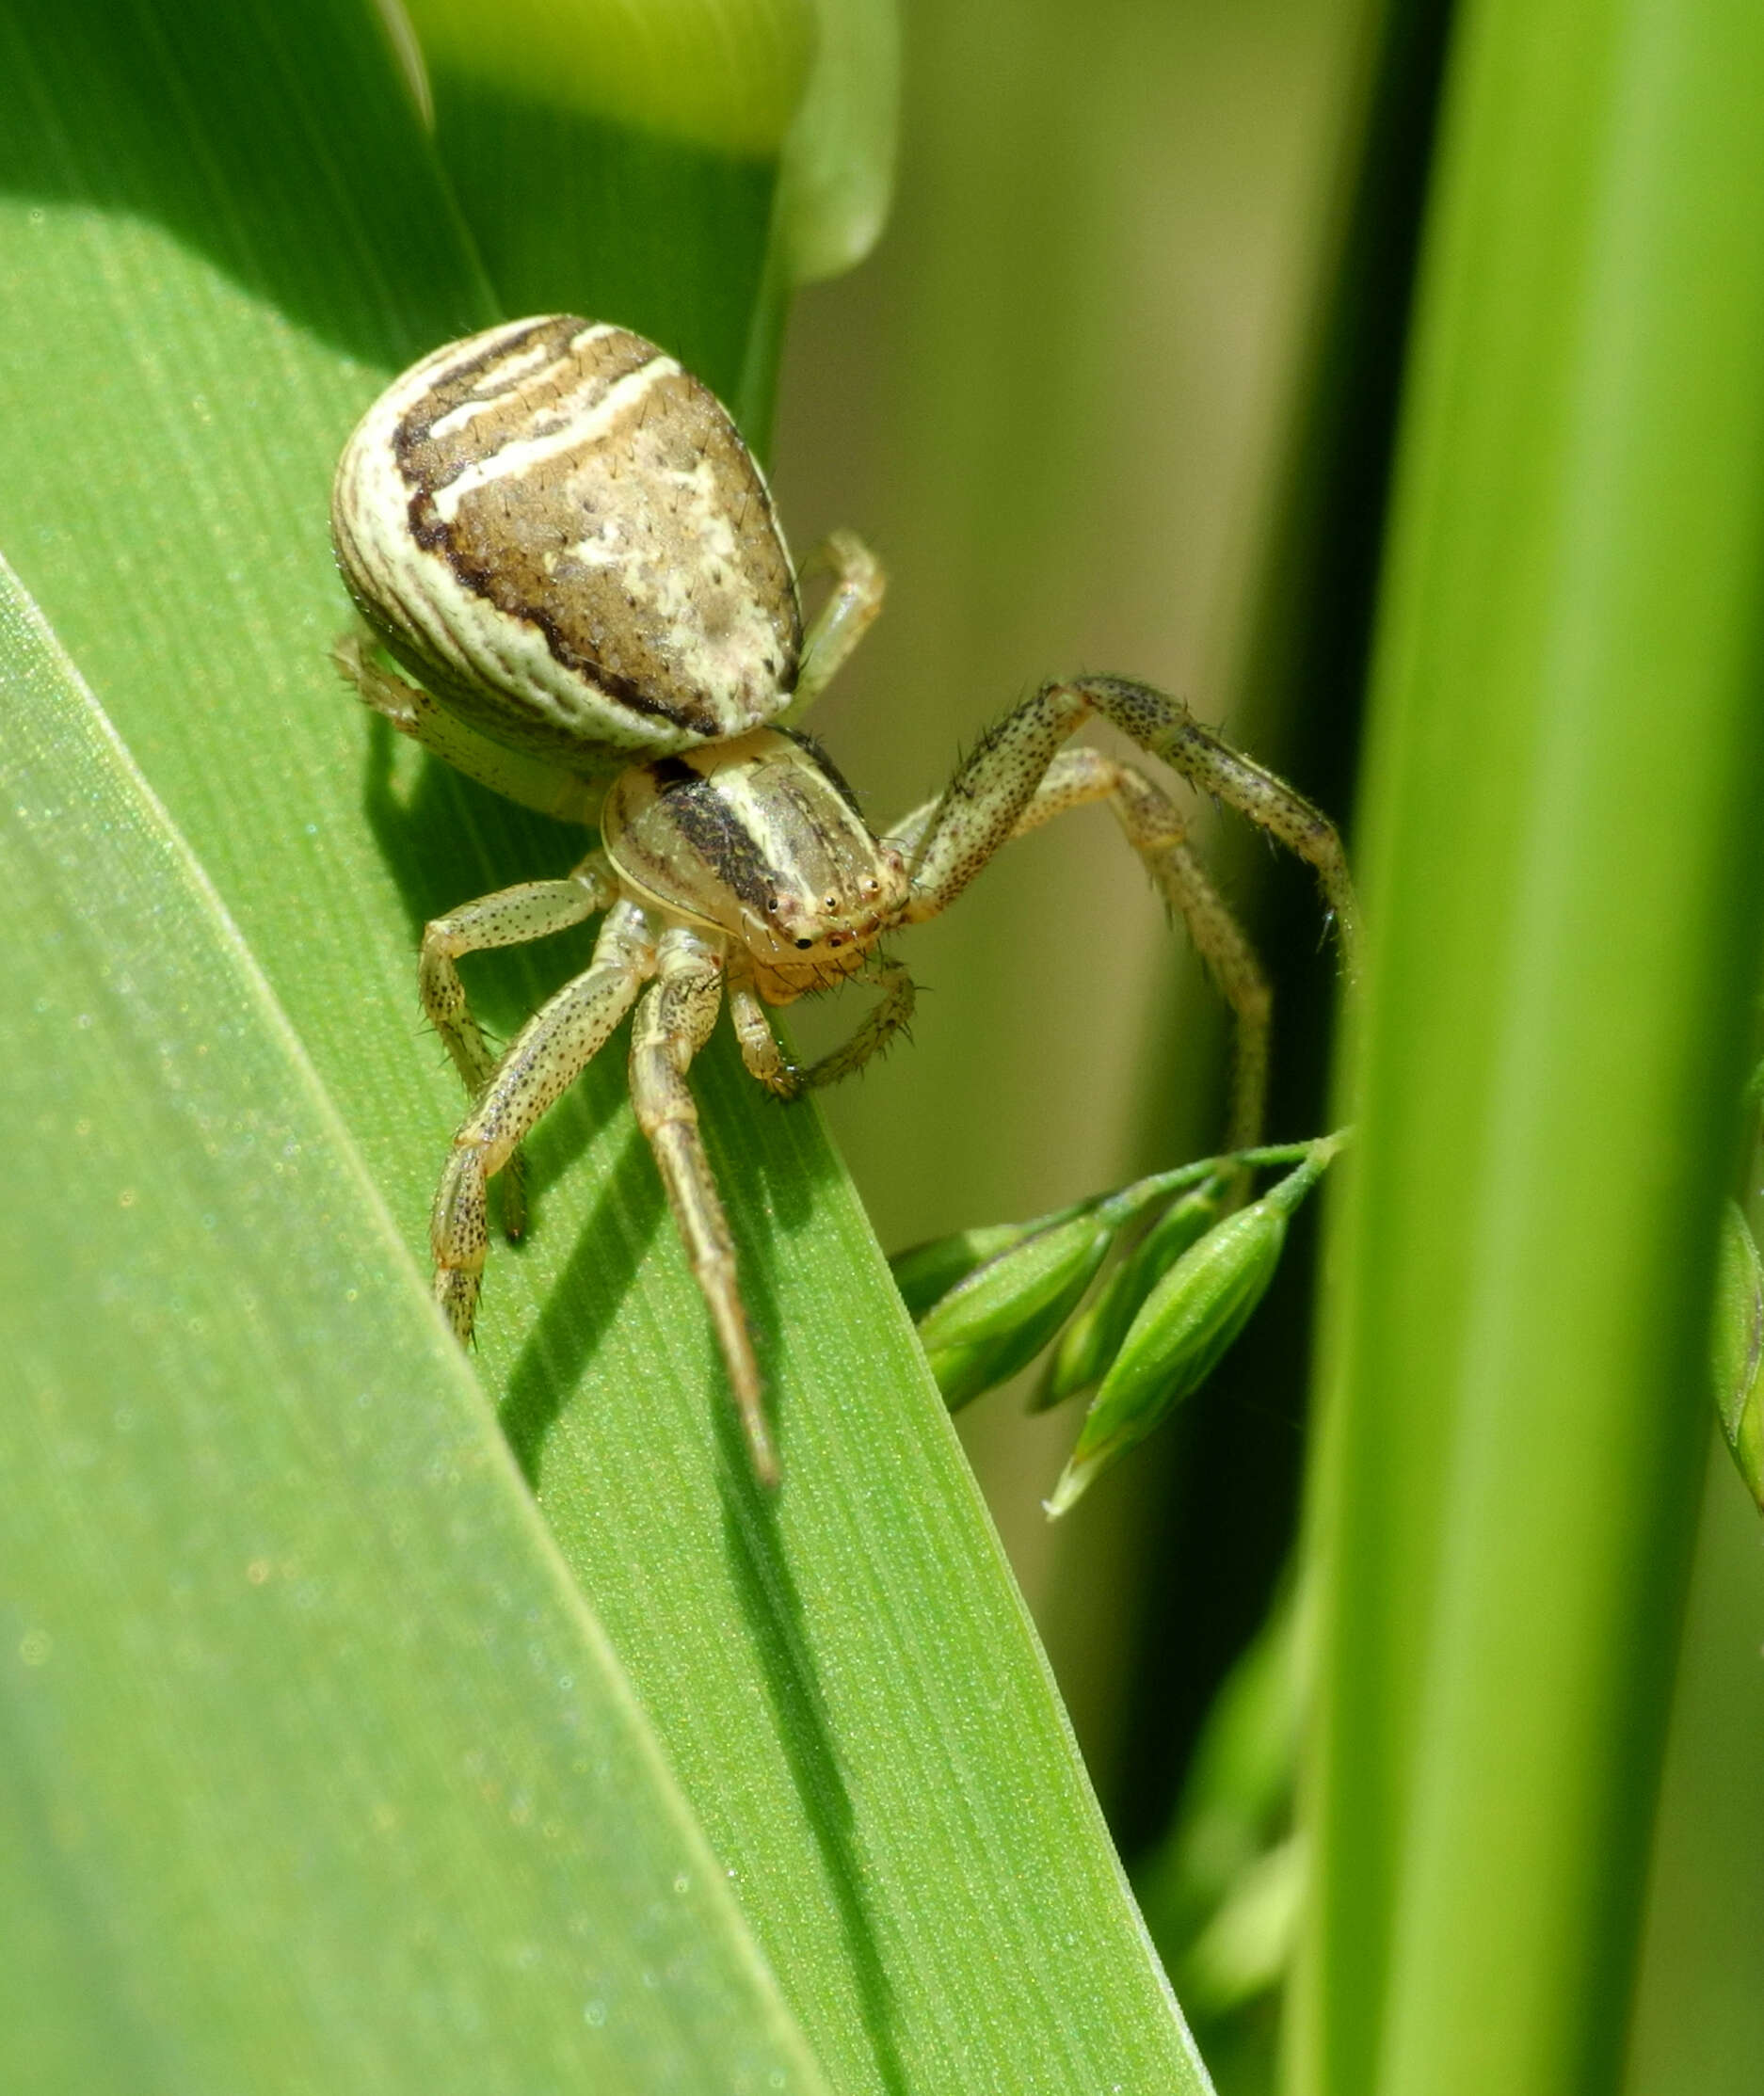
(1561, 871)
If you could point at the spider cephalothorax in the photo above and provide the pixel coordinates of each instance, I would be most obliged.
(759, 837)
(561, 533)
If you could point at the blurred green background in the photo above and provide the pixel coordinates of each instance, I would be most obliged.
(1130, 307)
(1061, 401)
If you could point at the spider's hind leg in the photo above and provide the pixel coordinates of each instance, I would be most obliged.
(534, 781)
(859, 587)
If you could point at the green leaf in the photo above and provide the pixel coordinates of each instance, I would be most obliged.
(235, 1778)
(925, 1272)
(1564, 895)
(725, 74)
(223, 228)
(998, 1318)
(1738, 1348)
(838, 160)
(1185, 1327)
(576, 137)
(1091, 1341)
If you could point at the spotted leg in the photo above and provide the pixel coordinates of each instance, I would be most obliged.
(766, 1060)
(1154, 827)
(550, 1052)
(981, 807)
(511, 917)
(673, 1023)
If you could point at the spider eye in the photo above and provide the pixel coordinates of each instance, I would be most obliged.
(771, 906)
(832, 902)
(804, 942)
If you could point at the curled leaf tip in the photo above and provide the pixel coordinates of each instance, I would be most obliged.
(1074, 1482)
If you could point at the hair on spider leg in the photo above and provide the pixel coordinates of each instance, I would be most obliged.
(497, 1044)
(899, 1033)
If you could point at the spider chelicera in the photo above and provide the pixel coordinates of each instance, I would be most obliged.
(559, 532)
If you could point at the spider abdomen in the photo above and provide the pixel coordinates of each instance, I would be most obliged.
(562, 533)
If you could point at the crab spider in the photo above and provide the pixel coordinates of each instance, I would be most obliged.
(558, 531)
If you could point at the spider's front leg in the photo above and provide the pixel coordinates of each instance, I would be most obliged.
(1153, 826)
(984, 802)
(673, 1023)
(550, 1052)
(1019, 776)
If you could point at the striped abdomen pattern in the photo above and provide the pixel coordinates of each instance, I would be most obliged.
(562, 533)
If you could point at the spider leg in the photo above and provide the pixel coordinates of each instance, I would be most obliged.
(673, 1023)
(979, 810)
(765, 1059)
(859, 587)
(512, 916)
(550, 1052)
(1153, 826)
(534, 781)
